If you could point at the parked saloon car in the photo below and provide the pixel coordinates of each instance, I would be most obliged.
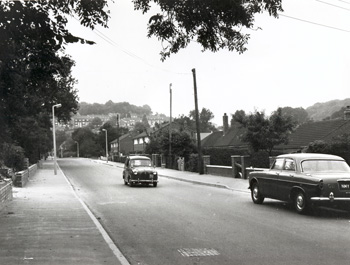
(139, 170)
(304, 179)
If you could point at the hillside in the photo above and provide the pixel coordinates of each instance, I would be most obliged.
(320, 111)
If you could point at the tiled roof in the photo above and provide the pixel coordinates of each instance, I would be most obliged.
(231, 139)
(321, 130)
(301, 137)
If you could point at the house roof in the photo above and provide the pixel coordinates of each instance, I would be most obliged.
(322, 130)
(232, 138)
(121, 137)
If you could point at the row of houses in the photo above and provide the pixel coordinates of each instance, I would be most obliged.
(79, 121)
(230, 136)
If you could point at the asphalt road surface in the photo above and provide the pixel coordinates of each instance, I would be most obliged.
(184, 223)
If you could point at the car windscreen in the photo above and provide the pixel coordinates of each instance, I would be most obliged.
(324, 166)
(141, 163)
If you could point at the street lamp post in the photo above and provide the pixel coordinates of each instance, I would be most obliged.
(77, 148)
(106, 145)
(54, 137)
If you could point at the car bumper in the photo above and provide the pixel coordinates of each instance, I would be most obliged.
(330, 199)
(144, 180)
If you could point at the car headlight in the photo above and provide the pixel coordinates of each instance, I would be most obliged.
(320, 185)
(135, 171)
(154, 173)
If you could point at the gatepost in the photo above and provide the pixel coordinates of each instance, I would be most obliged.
(206, 162)
(235, 159)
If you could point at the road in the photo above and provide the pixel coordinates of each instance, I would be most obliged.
(184, 223)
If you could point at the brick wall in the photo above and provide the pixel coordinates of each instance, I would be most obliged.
(5, 194)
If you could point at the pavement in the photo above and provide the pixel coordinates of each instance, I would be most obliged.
(47, 223)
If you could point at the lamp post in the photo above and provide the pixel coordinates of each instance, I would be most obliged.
(77, 148)
(171, 106)
(106, 144)
(54, 137)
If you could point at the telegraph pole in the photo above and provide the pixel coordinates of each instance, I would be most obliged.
(200, 160)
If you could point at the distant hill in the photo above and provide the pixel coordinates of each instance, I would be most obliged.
(320, 111)
(124, 108)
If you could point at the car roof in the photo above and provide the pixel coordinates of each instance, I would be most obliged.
(139, 157)
(303, 156)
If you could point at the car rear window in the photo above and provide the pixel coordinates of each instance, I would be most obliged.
(324, 166)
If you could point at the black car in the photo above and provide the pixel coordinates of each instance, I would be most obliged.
(139, 170)
(304, 179)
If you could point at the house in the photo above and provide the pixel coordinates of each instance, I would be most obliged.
(140, 142)
(126, 145)
(306, 133)
(230, 137)
(309, 132)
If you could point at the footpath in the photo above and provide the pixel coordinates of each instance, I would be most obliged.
(46, 223)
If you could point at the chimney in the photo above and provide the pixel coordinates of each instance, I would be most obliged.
(225, 121)
(347, 113)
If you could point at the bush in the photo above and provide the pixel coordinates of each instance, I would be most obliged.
(12, 156)
(192, 163)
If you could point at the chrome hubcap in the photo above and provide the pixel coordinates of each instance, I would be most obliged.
(300, 202)
(255, 193)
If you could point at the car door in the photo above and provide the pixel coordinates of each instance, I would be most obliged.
(268, 182)
(125, 173)
(286, 179)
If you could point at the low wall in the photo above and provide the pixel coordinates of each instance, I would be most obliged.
(223, 171)
(5, 194)
(22, 177)
(226, 171)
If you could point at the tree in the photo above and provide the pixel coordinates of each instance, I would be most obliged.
(213, 24)
(139, 128)
(181, 144)
(299, 115)
(145, 121)
(264, 133)
(204, 120)
(35, 73)
(88, 142)
(96, 122)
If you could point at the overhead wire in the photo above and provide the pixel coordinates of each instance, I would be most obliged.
(129, 53)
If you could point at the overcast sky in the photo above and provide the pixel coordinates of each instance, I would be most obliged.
(297, 60)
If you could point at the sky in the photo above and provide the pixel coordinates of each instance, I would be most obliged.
(297, 60)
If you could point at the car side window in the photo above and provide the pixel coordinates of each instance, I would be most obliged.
(278, 164)
(289, 165)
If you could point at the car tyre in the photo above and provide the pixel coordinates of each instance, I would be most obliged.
(155, 184)
(256, 195)
(300, 202)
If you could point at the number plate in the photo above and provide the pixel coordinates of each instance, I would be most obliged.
(344, 185)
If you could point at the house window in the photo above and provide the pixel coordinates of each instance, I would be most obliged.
(141, 141)
(135, 141)
(146, 140)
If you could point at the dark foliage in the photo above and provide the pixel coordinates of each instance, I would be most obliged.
(213, 24)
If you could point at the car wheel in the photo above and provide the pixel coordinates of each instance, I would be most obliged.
(155, 184)
(300, 202)
(255, 193)
(131, 184)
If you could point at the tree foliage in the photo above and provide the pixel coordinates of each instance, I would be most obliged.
(339, 145)
(35, 72)
(189, 122)
(213, 24)
(263, 133)
(181, 143)
(298, 115)
(124, 108)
